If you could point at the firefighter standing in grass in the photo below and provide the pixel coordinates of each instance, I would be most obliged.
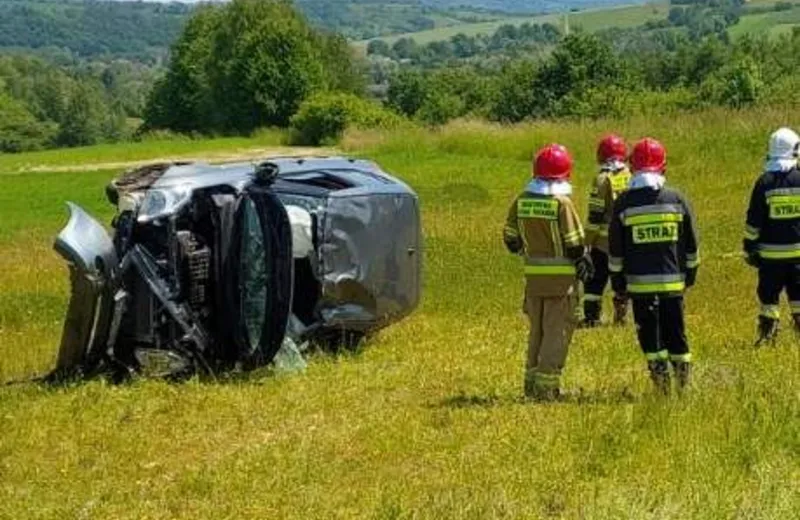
(544, 228)
(772, 233)
(653, 249)
(610, 182)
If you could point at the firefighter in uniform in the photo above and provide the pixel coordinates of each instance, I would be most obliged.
(544, 228)
(610, 182)
(653, 249)
(772, 232)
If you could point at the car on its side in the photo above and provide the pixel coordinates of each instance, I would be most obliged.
(210, 267)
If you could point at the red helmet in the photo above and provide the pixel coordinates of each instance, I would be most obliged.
(649, 156)
(552, 163)
(611, 147)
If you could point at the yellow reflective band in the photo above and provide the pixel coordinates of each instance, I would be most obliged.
(795, 306)
(592, 297)
(647, 288)
(512, 232)
(657, 356)
(655, 233)
(771, 311)
(784, 207)
(603, 232)
(592, 227)
(653, 218)
(751, 233)
(537, 208)
(597, 203)
(578, 233)
(542, 270)
(615, 264)
(693, 261)
(780, 255)
(681, 358)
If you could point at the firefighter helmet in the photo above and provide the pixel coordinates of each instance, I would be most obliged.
(649, 156)
(611, 147)
(783, 144)
(553, 163)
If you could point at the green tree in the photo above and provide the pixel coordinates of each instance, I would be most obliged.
(407, 92)
(247, 64)
(20, 131)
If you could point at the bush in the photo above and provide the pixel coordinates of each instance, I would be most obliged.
(439, 108)
(323, 118)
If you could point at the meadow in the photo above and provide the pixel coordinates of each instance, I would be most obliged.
(590, 20)
(425, 420)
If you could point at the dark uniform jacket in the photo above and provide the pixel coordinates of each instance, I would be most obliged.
(609, 184)
(653, 244)
(772, 230)
(547, 232)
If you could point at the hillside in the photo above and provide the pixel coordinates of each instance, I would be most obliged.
(589, 20)
(425, 421)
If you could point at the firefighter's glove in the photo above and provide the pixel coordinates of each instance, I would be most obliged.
(753, 259)
(584, 268)
(691, 276)
(618, 284)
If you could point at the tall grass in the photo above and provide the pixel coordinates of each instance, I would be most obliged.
(426, 420)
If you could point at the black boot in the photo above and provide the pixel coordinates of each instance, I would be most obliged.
(659, 374)
(620, 310)
(767, 330)
(591, 313)
(683, 373)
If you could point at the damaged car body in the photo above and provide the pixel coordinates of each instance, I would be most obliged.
(211, 268)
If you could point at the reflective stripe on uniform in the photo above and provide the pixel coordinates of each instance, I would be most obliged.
(795, 306)
(779, 251)
(588, 297)
(681, 358)
(693, 260)
(615, 264)
(511, 232)
(650, 210)
(574, 238)
(657, 283)
(549, 266)
(751, 233)
(771, 311)
(596, 203)
(653, 218)
(544, 381)
(657, 356)
(781, 191)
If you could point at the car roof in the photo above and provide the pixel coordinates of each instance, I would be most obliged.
(357, 176)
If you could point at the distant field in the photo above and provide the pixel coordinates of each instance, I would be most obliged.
(773, 23)
(590, 20)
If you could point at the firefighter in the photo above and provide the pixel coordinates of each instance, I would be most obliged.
(772, 232)
(612, 180)
(544, 228)
(653, 248)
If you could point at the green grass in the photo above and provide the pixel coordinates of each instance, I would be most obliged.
(773, 23)
(426, 420)
(117, 155)
(590, 20)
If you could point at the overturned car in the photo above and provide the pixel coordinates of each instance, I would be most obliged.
(209, 268)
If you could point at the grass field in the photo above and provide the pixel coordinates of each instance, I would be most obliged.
(426, 420)
(590, 20)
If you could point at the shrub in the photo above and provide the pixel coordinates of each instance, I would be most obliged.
(323, 118)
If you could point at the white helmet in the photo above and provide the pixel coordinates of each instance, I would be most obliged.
(783, 148)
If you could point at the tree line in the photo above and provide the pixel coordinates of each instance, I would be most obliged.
(248, 64)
